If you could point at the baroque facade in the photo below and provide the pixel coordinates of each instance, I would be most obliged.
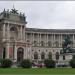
(17, 42)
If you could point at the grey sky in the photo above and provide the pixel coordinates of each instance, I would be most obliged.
(45, 14)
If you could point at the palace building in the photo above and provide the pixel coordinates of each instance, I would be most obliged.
(17, 42)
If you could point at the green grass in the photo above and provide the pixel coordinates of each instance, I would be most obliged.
(37, 71)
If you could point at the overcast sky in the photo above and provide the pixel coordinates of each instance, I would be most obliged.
(45, 14)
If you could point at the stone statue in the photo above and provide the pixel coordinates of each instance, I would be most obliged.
(67, 45)
(14, 11)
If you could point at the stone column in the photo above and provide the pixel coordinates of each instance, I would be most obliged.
(54, 41)
(29, 52)
(7, 51)
(33, 38)
(47, 40)
(25, 52)
(26, 37)
(15, 54)
(8, 44)
(21, 32)
(61, 39)
(8, 32)
(24, 33)
(4, 30)
(40, 39)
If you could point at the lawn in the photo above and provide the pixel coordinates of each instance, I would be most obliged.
(37, 71)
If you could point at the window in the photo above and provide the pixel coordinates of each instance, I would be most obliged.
(14, 33)
(56, 44)
(13, 29)
(49, 43)
(57, 55)
(35, 55)
(27, 40)
(35, 43)
(50, 55)
(63, 57)
(73, 56)
(56, 36)
(39, 50)
(42, 43)
(46, 50)
(42, 55)
(32, 50)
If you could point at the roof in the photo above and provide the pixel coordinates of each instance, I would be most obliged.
(13, 15)
(51, 30)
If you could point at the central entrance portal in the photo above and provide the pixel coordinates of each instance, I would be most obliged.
(20, 54)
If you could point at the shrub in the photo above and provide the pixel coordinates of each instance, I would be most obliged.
(72, 63)
(49, 63)
(6, 63)
(26, 63)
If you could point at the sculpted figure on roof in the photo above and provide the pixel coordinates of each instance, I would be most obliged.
(14, 11)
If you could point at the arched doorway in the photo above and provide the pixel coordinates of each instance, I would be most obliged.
(35, 55)
(20, 54)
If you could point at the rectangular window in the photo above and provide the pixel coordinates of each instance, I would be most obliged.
(63, 57)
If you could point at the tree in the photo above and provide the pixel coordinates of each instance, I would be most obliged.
(26, 63)
(72, 63)
(6, 63)
(49, 63)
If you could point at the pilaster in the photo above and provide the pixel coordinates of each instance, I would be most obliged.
(40, 39)
(73, 41)
(8, 32)
(4, 30)
(47, 40)
(61, 39)
(7, 51)
(54, 40)
(21, 32)
(15, 53)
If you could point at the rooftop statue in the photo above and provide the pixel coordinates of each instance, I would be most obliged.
(14, 11)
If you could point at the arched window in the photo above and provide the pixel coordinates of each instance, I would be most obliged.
(35, 43)
(57, 55)
(56, 44)
(42, 43)
(35, 55)
(42, 55)
(50, 55)
(13, 29)
(28, 41)
(13, 33)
